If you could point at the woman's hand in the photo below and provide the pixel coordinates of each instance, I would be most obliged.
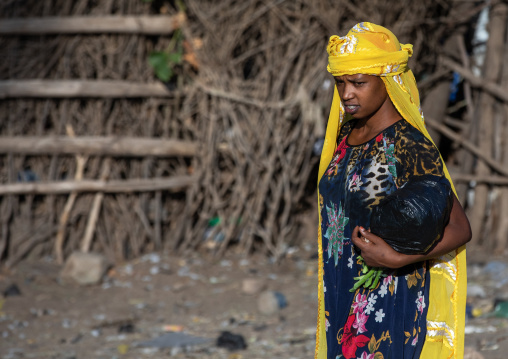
(375, 251)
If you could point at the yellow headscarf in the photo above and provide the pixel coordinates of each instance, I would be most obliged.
(374, 50)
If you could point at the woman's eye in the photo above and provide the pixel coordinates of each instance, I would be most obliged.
(359, 83)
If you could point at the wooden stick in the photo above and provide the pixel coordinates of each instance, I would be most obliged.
(502, 229)
(4, 221)
(492, 180)
(94, 212)
(157, 230)
(148, 25)
(468, 145)
(242, 99)
(144, 220)
(492, 88)
(173, 184)
(82, 88)
(480, 227)
(78, 176)
(60, 235)
(103, 146)
(464, 157)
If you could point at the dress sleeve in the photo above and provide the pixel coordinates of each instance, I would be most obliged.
(416, 156)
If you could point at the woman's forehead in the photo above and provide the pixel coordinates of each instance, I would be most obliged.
(353, 77)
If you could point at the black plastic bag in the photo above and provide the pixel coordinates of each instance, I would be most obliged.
(231, 341)
(413, 218)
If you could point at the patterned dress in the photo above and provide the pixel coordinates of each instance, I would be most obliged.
(388, 321)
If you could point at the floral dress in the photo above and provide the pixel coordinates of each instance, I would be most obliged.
(389, 320)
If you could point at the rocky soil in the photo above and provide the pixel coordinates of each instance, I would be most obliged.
(163, 306)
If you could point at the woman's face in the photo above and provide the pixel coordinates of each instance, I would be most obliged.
(362, 95)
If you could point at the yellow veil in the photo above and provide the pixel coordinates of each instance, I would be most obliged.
(374, 50)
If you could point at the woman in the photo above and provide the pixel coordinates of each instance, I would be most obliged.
(376, 142)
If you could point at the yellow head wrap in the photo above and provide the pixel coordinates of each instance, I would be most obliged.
(374, 50)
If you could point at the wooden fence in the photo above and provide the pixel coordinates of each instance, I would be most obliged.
(97, 154)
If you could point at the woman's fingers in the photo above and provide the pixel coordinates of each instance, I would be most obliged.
(375, 251)
(361, 241)
(356, 237)
(367, 236)
(362, 236)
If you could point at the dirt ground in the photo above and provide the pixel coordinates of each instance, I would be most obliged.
(197, 297)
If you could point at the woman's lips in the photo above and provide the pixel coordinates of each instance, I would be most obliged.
(351, 109)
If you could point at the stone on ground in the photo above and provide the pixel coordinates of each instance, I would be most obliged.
(84, 268)
(270, 302)
(253, 286)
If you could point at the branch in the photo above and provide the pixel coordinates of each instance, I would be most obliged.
(110, 146)
(82, 88)
(248, 101)
(492, 180)
(499, 167)
(172, 184)
(94, 211)
(64, 217)
(476, 81)
(149, 25)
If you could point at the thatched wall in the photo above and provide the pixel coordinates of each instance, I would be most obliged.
(253, 105)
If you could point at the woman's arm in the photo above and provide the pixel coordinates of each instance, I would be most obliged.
(377, 253)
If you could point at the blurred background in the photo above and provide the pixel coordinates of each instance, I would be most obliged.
(191, 130)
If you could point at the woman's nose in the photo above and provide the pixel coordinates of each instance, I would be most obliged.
(347, 94)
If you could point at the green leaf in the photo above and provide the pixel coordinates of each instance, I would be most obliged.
(175, 57)
(160, 64)
(157, 58)
(164, 73)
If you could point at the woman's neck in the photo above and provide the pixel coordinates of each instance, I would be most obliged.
(366, 128)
